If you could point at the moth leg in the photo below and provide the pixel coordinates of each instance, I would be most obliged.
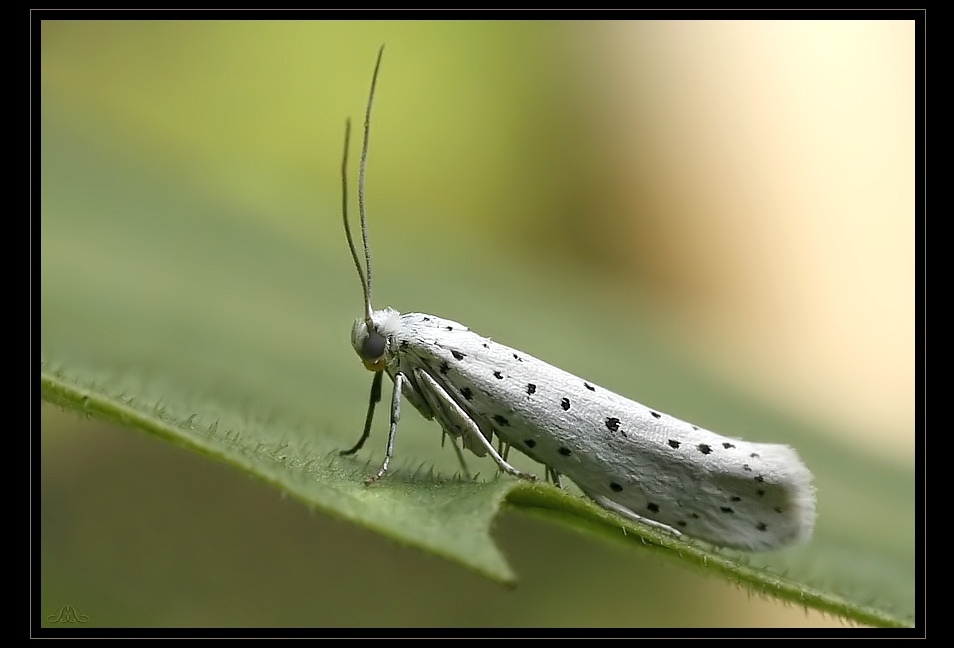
(460, 455)
(503, 449)
(374, 400)
(395, 417)
(607, 503)
(450, 408)
(554, 476)
(436, 408)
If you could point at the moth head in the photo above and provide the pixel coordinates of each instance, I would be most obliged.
(370, 345)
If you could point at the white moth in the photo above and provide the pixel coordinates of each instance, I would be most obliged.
(627, 457)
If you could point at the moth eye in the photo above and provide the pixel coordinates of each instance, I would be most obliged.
(373, 346)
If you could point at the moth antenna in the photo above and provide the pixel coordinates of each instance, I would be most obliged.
(347, 225)
(364, 163)
(364, 276)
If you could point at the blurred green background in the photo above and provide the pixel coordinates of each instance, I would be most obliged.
(712, 218)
